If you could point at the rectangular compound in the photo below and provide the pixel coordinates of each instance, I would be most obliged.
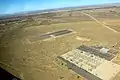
(88, 63)
(50, 35)
(61, 32)
(80, 71)
(96, 52)
(40, 37)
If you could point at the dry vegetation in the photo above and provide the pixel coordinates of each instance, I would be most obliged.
(37, 61)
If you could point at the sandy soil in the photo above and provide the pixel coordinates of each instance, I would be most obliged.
(37, 60)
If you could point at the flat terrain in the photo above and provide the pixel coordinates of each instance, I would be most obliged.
(37, 60)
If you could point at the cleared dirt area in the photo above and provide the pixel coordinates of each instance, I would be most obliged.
(37, 61)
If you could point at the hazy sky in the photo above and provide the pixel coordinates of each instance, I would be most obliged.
(13, 6)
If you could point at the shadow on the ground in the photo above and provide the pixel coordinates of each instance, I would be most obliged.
(4, 75)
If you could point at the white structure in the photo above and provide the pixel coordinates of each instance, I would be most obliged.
(104, 50)
(103, 69)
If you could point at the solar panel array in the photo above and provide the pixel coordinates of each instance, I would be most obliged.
(96, 52)
(49, 35)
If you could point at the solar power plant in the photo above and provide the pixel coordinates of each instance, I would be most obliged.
(96, 52)
(31, 42)
(49, 35)
(61, 32)
(90, 66)
(80, 71)
(40, 37)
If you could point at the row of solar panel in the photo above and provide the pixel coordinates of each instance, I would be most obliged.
(48, 35)
(79, 70)
(96, 52)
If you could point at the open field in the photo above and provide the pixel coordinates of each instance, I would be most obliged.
(37, 60)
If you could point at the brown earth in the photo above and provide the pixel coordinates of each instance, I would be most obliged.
(37, 60)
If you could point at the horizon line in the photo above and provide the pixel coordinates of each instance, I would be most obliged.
(62, 8)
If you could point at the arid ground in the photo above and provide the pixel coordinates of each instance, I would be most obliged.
(38, 60)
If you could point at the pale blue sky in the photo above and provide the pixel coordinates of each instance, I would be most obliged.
(13, 6)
